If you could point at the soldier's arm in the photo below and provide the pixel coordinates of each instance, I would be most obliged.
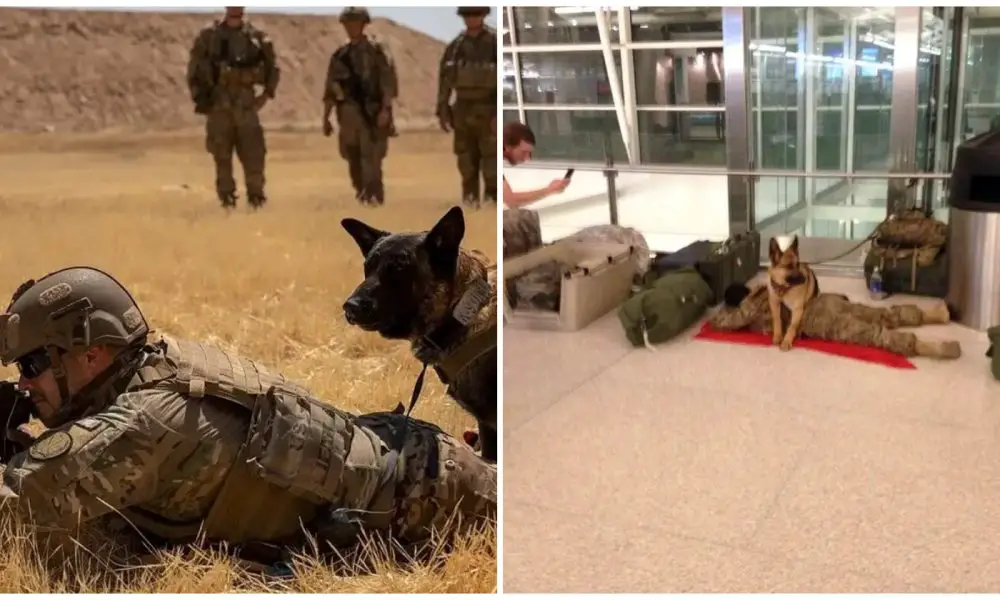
(197, 56)
(749, 311)
(331, 89)
(388, 80)
(86, 469)
(272, 72)
(446, 74)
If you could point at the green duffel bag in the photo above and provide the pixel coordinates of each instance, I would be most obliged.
(993, 333)
(666, 308)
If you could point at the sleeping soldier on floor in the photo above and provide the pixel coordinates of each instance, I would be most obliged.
(834, 318)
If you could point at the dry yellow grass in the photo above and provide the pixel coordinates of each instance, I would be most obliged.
(269, 285)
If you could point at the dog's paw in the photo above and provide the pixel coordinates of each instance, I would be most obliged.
(776, 339)
(786, 345)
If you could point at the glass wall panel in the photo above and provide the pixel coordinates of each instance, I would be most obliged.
(691, 138)
(567, 78)
(509, 81)
(672, 24)
(560, 25)
(679, 77)
(576, 135)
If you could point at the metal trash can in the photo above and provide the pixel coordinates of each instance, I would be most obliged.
(974, 232)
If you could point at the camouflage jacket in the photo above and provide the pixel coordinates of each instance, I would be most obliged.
(181, 448)
(469, 67)
(201, 441)
(232, 58)
(362, 67)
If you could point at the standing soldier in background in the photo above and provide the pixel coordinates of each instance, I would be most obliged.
(469, 67)
(361, 83)
(227, 60)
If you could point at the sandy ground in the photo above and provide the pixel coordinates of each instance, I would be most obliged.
(267, 284)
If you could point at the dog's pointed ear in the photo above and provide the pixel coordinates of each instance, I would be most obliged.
(445, 238)
(774, 251)
(794, 246)
(365, 235)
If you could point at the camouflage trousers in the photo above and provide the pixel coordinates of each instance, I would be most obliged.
(834, 318)
(238, 129)
(364, 148)
(441, 478)
(475, 146)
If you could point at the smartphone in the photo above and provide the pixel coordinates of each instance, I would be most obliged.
(569, 173)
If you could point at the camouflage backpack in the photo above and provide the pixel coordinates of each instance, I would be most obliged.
(912, 228)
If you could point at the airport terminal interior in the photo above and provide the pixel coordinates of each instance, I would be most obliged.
(698, 465)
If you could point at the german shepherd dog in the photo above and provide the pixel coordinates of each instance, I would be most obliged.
(413, 284)
(790, 283)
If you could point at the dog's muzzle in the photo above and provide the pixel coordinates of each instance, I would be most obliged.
(360, 311)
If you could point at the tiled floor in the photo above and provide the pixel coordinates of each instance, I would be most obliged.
(714, 467)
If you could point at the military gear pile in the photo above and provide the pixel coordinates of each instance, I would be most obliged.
(666, 308)
(909, 251)
(721, 264)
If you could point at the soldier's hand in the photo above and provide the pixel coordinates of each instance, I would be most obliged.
(16, 409)
(259, 102)
(445, 123)
(327, 128)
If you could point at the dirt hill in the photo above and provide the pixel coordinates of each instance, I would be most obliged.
(67, 70)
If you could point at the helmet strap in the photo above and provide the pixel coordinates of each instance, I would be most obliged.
(59, 371)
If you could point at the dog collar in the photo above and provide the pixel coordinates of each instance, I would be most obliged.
(454, 360)
(781, 289)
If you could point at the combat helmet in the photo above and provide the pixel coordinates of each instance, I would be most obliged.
(69, 309)
(473, 11)
(355, 13)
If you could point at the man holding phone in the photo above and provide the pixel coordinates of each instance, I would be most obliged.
(518, 144)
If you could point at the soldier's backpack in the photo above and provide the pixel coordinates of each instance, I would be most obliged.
(664, 309)
(721, 264)
(910, 252)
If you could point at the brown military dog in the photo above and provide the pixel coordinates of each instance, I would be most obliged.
(790, 283)
(425, 288)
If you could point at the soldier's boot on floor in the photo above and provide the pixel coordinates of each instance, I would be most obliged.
(228, 200)
(256, 201)
(939, 314)
(943, 350)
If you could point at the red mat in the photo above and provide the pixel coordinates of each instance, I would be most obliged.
(863, 353)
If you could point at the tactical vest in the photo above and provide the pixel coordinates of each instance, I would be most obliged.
(474, 79)
(245, 71)
(300, 454)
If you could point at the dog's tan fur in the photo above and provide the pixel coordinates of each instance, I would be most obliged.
(792, 283)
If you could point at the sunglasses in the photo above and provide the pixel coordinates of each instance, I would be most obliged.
(34, 363)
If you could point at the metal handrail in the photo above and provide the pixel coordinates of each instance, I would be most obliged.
(722, 171)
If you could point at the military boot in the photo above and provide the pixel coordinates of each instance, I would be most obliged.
(256, 201)
(228, 200)
(939, 314)
(945, 350)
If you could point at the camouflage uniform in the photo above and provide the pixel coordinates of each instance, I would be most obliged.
(469, 67)
(366, 67)
(833, 317)
(224, 66)
(179, 436)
